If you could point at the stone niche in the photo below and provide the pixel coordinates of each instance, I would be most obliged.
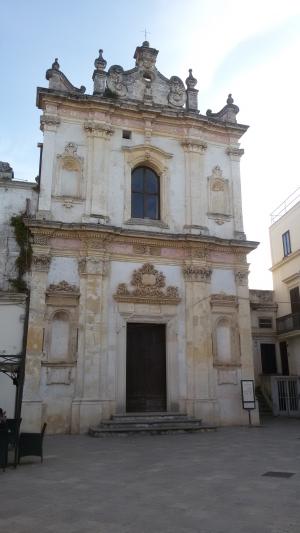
(69, 173)
(61, 332)
(226, 348)
(219, 203)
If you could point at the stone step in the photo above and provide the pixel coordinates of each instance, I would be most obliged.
(151, 423)
(159, 429)
(142, 418)
(148, 423)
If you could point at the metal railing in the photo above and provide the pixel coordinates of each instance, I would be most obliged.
(289, 202)
(288, 323)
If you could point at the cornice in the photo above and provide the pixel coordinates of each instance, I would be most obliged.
(86, 232)
(95, 102)
(9, 298)
(15, 184)
(285, 260)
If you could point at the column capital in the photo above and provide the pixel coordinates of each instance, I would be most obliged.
(98, 129)
(234, 153)
(49, 123)
(194, 145)
(196, 273)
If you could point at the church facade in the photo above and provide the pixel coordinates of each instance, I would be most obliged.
(139, 292)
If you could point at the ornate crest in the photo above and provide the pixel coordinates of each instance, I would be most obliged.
(70, 160)
(63, 287)
(149, 286)
(177, 94)
(115, 81)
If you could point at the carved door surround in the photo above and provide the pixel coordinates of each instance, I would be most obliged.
(149, 301)
(158, 160)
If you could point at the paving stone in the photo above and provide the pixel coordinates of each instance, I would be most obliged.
(185, 483)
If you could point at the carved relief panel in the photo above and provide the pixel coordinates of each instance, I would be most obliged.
(219, 203)
(69, 173)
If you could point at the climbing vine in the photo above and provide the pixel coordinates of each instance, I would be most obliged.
(23, 261)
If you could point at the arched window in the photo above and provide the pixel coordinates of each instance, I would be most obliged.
(145, 202)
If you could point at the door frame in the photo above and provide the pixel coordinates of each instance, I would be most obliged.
(164, 344)
(175, 363)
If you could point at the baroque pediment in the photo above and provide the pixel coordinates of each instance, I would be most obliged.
(147, 285)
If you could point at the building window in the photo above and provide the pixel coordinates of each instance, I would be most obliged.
(145, 202)
(126, 134)
(265, 322)
(286, 241)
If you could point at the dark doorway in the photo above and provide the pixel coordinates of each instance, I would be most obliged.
(268, 359)
(146, 367)
(284, 359)
(295, 300)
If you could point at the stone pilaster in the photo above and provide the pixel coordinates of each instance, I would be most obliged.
(245, 334)
(49, 125)
(90, 389)
(235, 154)
(32, 401)
(200, 389)
(196, 188)
(98, 136)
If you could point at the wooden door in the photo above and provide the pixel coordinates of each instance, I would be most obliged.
(146, 367)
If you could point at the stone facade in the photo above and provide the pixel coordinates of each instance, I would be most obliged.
(97, 268)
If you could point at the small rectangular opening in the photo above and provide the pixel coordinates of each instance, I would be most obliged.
(126, 134)
(265, 322)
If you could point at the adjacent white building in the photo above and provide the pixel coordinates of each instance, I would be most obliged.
(285, 251)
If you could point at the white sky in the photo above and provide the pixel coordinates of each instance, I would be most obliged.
(249, 49)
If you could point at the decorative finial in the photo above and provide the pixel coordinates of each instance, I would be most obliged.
(230, 100)
(55, 65)
(146, 44)
(100, 62)
(191, 82)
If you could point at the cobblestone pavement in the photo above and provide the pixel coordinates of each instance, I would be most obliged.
(185, 483)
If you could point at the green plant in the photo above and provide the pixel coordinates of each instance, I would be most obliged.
(23, 261)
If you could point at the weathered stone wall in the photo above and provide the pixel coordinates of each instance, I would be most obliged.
(13, 195)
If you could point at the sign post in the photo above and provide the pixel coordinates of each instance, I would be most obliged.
(248, 396)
